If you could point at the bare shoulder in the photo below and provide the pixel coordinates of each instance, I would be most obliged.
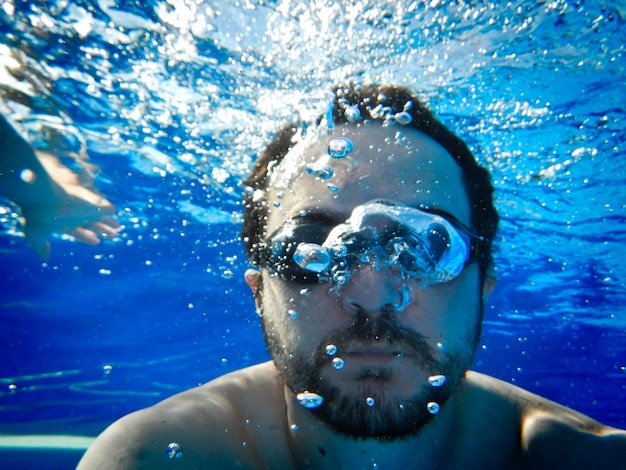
(557, 437)
(551, 435)
(219, 424)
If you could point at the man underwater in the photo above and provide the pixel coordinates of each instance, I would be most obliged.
(372, 237)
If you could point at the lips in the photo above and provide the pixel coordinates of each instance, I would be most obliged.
(374, 354)
(376, 340)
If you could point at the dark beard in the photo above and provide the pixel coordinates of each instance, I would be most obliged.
(392, 416)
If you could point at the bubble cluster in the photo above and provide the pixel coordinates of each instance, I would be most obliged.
(339, 148)
(309, 399)
(380, 112)
(429, 249)
(386, 114)
(403, 117)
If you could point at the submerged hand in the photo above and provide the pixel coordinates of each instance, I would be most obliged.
(74, 209)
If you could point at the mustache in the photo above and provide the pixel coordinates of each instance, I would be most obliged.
(383, 329)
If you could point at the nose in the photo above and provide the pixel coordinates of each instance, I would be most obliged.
(371, 291)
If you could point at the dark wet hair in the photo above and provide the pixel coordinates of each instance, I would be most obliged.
(476, 179)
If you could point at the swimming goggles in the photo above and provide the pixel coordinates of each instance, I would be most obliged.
(417, 243)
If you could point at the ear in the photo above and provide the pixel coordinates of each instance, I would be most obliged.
(253, 279)
(490, 282)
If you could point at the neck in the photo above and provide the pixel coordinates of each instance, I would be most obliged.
(315, 444)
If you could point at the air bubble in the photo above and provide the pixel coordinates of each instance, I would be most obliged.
(370, 401)
(309, 399)
(174, 451)
(258, 195)
(403, 118)
(338, 363)
(320, 170)
(352, 113)
(380, 111)
(331, 349)
(333, 187)
(292, 314)
(107, 369)
(312, 257)
(28, 176)
(433, 408)
(436, 380)
(11, 388)
(340, 277)
(340, 147)
(294, 427)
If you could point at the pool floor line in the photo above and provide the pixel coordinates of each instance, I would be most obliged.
(59, 442)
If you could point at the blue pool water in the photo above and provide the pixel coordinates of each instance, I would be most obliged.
(173, 100)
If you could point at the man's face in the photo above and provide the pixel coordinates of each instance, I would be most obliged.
(388, 355)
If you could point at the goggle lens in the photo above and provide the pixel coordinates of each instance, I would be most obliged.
(418, 244)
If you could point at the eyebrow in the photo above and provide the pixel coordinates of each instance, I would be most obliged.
(325, 218)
